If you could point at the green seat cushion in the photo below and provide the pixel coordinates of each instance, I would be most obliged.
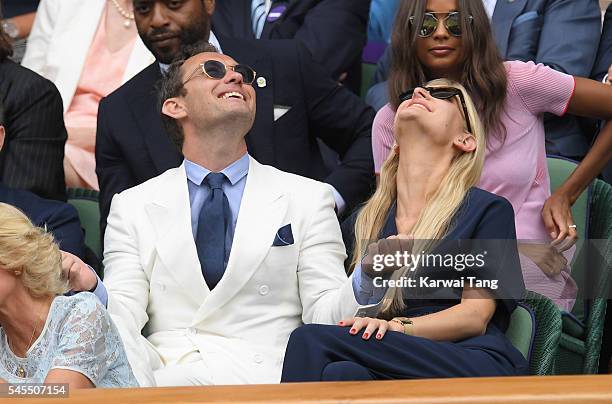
(520, 330)
(367, 76)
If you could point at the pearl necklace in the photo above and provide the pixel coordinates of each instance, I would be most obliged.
(129, 17)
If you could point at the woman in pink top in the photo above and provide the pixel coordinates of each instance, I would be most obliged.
(87, 49)
(436, 39)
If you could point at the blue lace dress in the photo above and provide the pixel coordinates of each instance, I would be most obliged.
(78, 335)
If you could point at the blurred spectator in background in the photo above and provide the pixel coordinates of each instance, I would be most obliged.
(603, 72)
(558, 33)
(382, 15)
(603, 63)
(34, 144)
(88, 49)
(59, 218)
(334, 31)
(17, 23)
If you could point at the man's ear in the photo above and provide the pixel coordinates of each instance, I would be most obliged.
(466, 142)
(173, 108)
(2, 135)
(209, 6)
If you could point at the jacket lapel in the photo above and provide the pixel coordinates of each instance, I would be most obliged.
(262, 211)
(503, 16)
(261, 138)
(170, 216)
(164, 154)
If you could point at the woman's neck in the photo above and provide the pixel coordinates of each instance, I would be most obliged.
(419, 175)
(22, 318)
(450, 74)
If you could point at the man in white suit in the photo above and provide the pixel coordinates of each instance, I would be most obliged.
(189, 314)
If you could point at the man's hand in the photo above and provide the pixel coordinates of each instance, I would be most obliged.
(380, 259)
(546, 256)
(79, 275)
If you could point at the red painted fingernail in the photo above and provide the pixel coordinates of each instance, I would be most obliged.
(378, 336)
(341, 323)
(366, 335)
(353, 331)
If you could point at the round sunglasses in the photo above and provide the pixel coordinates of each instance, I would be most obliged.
(216, 70)
(442, 93)
(452, 22)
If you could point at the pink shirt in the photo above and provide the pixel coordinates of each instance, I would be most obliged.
(516, 169)
(102, 74)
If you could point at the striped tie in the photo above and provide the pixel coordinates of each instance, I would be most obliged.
(258, 16)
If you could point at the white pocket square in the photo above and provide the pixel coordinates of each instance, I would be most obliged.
(280, 110)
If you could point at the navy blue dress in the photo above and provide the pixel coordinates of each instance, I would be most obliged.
(329, 353)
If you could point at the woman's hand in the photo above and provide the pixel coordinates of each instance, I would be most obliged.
(557, 216)
(371, 325)
(546, 256)
(375, 262)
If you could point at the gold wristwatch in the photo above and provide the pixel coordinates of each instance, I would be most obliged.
(405, 322)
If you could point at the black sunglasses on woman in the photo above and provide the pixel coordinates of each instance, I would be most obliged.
(442, 93)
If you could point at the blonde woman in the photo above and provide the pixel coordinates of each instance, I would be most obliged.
(427, 192)
(44, 336)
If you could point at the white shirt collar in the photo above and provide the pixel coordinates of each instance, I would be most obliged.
(489, 7)
(212, 39)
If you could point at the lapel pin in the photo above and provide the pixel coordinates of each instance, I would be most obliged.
(261, 82)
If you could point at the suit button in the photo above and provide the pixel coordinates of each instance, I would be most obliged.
(264, 290)
(258, 358)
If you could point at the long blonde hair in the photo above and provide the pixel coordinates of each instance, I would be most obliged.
(31, 253)
(435, 219)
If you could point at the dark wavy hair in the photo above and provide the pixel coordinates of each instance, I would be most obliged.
(6, 49)
(483, 72)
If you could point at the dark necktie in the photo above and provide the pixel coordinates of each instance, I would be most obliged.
(213, 223)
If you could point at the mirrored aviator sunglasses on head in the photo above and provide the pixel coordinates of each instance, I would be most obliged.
(451, 20)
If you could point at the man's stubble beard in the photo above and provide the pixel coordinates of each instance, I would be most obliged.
(197, 32)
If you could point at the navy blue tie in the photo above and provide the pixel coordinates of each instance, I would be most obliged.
(213, 223)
